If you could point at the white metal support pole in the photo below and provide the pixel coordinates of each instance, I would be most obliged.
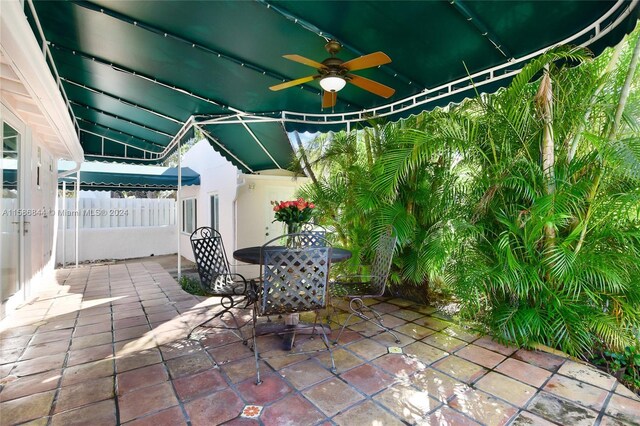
(179, 215)
(77, 215)
(64, 223)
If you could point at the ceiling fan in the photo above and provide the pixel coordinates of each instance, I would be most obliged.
(334, 74)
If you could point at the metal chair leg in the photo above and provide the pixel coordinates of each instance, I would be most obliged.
(255, 346)
(357, 307)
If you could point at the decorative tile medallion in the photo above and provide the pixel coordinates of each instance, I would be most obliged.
(251, 411)
(395, 350)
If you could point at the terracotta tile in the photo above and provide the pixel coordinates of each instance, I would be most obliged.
(39, 365)
(445, 416)
(332, 396)
(141, 377)
(460, 369)
(539, 359)
(433, 323)
(84, 393)
(504, 387)
(367, 349)
(462, 333)
(370, 411)
(180, 348)
(94, 353)
(239, 371)
(217, 337)
(624, 391)
(444, 342)
(231, 352)
(26, 408)
(130, 322)
(23, 331)
(407, 315)
(10, 355)
(131, 332)
(137, 360)
(385, 307)
(57, 325)
(305, 374)
(51, 336)
(481, 356)
(529, 419)
(170, 417)
(189, 364)
(42, 421)
(624, 409)
(414, 330)
(344, 360)
(364, 328)
(101, 413)
(424, 353)
(588, 374)
(280, 362)
(488, 343)
(15, 342)
(610, 421)
(368, 379)
(189, 387)
(271, 389)
(483, 407)
(216, 408)
(438, 385)
(30, 385)
(133, 346)
(87, 330)
(387, 339)
(576, 391)
(561, 411)
(91, 340)
(527, 373)
(399, 365)
(45, 349)
(94, 319)
(408, 403)
(145, 401)
(88, 371)
(292, 410)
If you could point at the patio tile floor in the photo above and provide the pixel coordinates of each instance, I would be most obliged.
(106, 344)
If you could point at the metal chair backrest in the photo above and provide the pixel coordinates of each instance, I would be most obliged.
(212, 262)
(293, 279)
(381, 264)
(313, 235)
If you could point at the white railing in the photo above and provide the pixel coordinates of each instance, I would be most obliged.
(96, 213)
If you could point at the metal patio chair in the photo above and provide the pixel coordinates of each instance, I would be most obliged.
(292, 281)
(356, 288)
(313, 235)
(216, 278)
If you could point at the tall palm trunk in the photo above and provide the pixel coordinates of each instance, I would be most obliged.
(544, 106)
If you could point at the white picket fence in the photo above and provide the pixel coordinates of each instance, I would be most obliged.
(117, 212)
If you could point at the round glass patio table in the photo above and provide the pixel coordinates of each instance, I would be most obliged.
(252, 255)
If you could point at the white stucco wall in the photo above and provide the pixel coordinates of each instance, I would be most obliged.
(118, 243)
(217, 177)
(245, 212)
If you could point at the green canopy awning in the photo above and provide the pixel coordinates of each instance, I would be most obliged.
(138, 74)
(107, 177)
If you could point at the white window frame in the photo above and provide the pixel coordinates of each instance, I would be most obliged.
(194, 215)
(214, 211)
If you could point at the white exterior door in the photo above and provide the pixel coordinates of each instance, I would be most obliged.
(12, 215)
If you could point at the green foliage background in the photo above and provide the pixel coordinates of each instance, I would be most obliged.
(538, 255)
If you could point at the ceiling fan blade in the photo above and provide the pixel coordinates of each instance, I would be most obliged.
(371, 86)
(303, 60)
(367, 61)
(329, 99)
(292, 83)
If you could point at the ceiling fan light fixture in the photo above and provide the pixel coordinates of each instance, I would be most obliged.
(332, 83)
